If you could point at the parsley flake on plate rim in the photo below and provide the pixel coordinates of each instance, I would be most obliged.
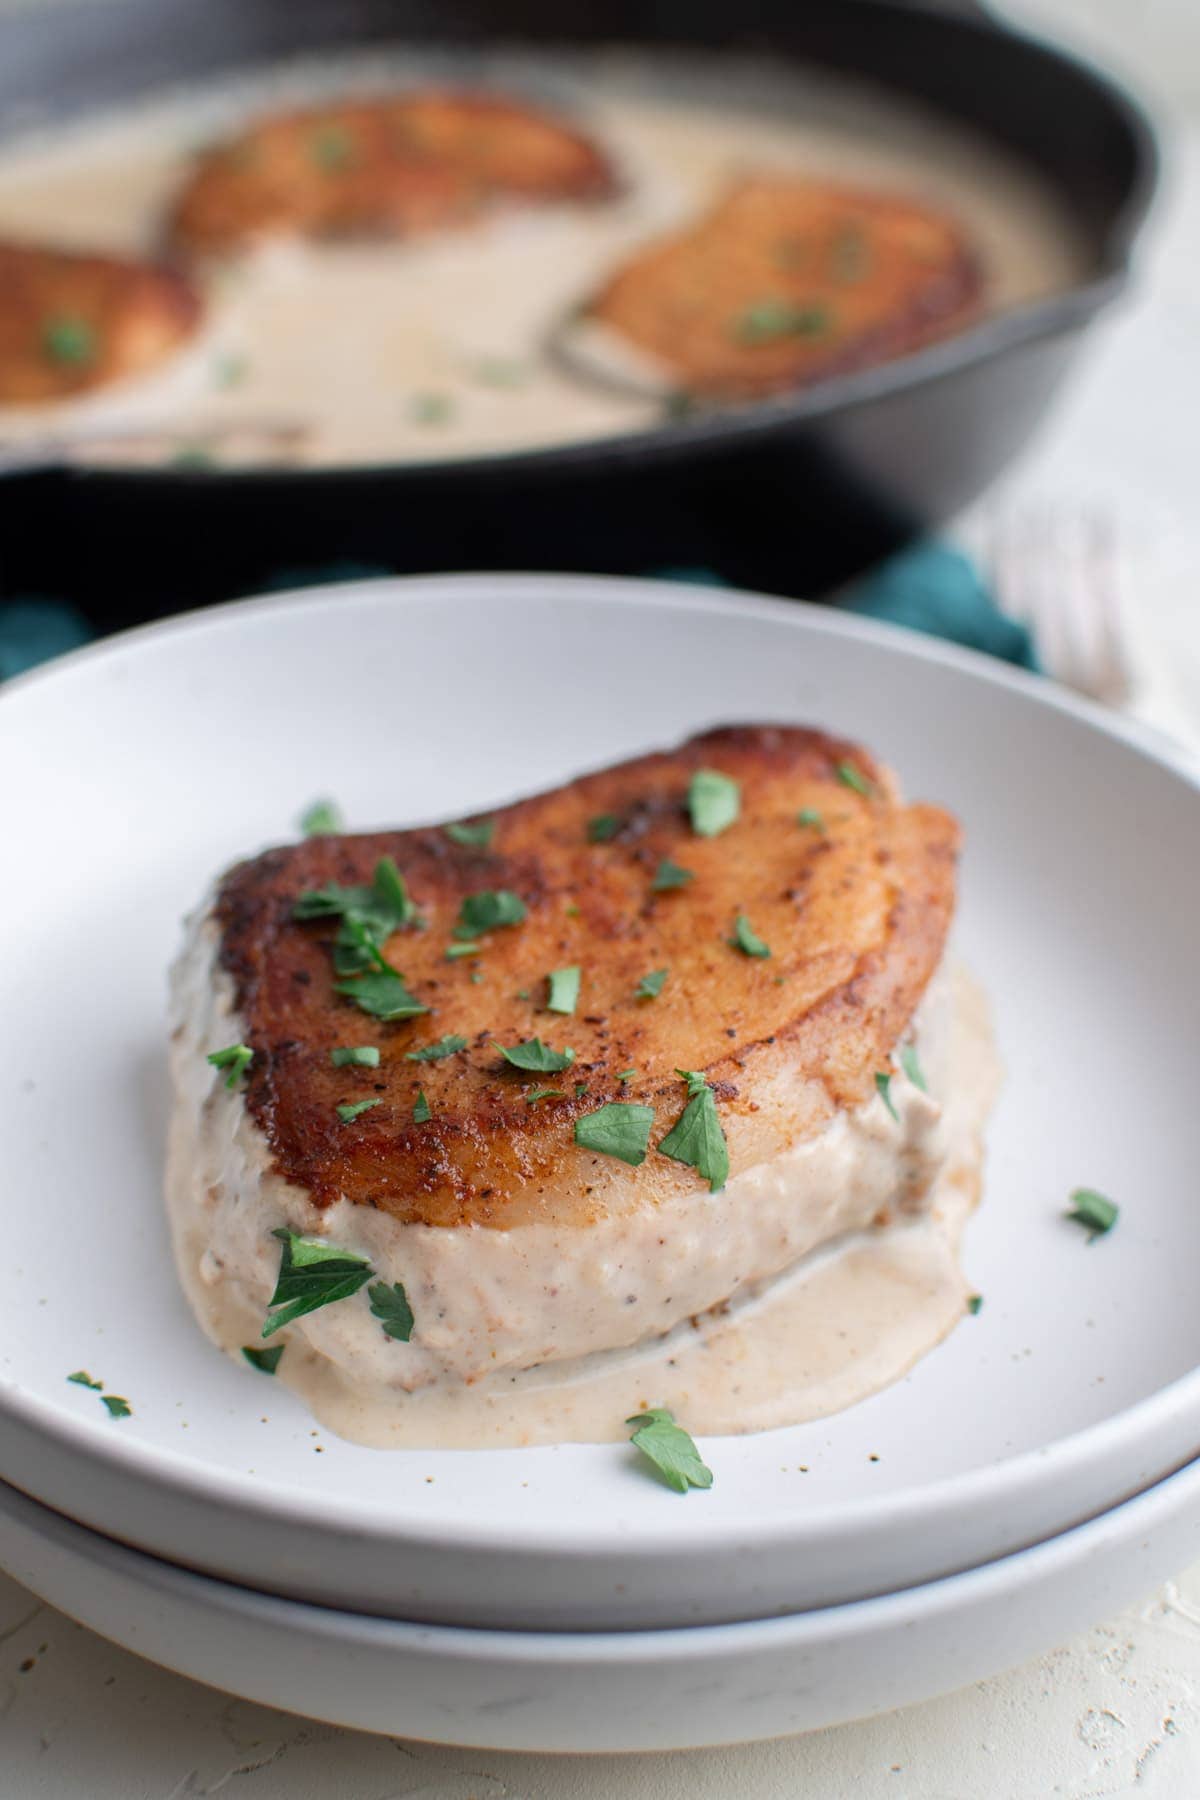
(1094, 1211)
(669, 1449)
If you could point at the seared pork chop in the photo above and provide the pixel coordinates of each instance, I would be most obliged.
(72, 322)
(785, 281)
(701, 965)
(384, 168)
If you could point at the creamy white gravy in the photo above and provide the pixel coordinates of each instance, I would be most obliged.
(828, 1307)
(438, 348)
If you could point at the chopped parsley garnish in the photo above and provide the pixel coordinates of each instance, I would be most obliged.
(536, 1094)
(430, 409)
(714, 802)
(746, 939)
(618, 1129)
(369, 916)
(353, 1108)
(697, 1137)
(118, 1408)
(321, 819)
(603, 828)
(194, 456)
(446, 1046)
(502, 372)
(454, 951)
(669, 1450)
(312, 1274)
(809, 817)
(853, 778)
(580, 1089)
(486, 911)
(355, 949)
(422, 1111)
(384, 906)
(69, 340)
(627, 1074)
(355, 1056)
(235, 1057)
(389, 1304)
(651, 985)
(389, 887)
(230, 370)
(883, 1085)
(850, 254)
(476, 975)
(1096, 1212)
(910, 1062)
(537, 1058)
(766, 321)
(974, 1304)
(331, 148)
(381, 993)
(563, 986)
(474, 834)
(265, 1361)
(669, 875)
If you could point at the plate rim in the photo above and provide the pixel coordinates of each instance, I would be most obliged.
(1129, 1517)
(264, 1496)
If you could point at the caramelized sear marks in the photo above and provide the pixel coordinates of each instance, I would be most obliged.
(855, 915)
(390, 167)
(788, 280)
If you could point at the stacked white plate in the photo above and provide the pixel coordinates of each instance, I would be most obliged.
(1017, 1484)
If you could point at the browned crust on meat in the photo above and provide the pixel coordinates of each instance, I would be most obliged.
(392, 167)
(856, 917)
(72, 322)
(851, 278)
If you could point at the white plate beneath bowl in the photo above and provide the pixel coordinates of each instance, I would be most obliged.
(627, 1690)
(148, 762)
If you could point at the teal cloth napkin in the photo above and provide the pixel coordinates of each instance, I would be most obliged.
(936, 589)
(32, 631)
(930, 587)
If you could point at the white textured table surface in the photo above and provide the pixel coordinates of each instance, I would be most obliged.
(1114, 1713)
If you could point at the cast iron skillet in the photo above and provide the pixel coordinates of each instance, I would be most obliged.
(792, 495)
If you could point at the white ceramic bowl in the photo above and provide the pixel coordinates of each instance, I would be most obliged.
(631, 1690)
(148, 762)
